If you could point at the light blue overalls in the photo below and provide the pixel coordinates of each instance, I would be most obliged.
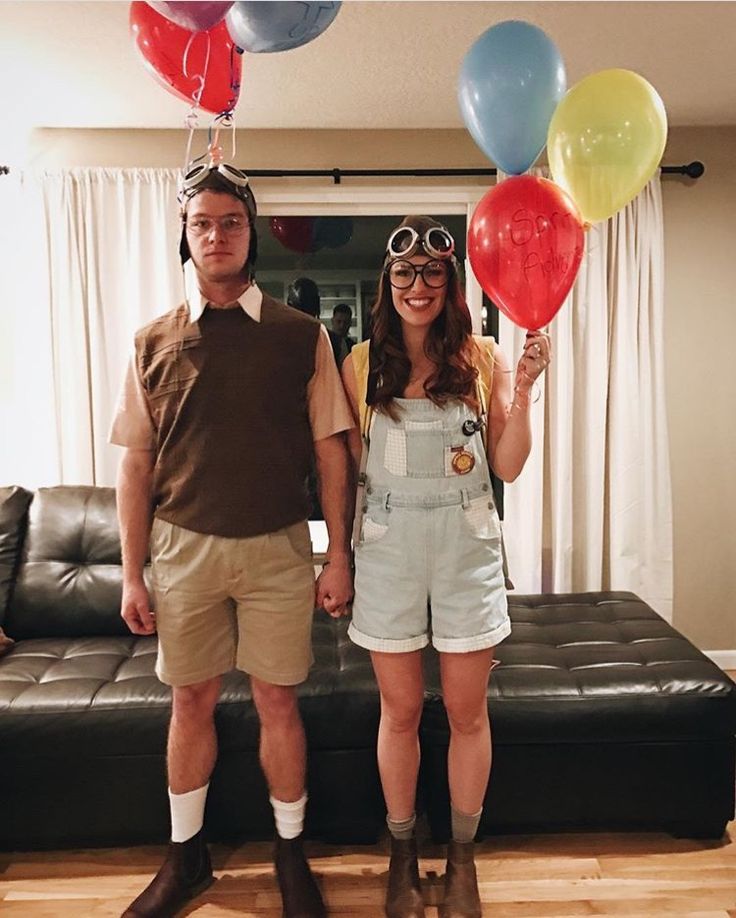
(429, 557)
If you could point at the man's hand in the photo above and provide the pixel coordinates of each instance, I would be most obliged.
(334, 587)
(136, 608)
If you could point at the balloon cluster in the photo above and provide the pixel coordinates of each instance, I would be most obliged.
(604, 138)
(310, 234)
(194, 49)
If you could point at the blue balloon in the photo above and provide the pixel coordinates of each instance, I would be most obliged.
(275, 26)
(511, 81)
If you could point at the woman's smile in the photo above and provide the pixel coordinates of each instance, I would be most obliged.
(419, 303)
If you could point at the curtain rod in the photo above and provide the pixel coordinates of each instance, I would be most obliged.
(693, 170)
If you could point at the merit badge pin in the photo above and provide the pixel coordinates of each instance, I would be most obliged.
(462, 461)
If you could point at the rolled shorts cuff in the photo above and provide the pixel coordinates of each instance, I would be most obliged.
(387, 645)
(478, 642)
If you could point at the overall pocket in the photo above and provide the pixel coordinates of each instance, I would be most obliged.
(375, 524)
(481, 518)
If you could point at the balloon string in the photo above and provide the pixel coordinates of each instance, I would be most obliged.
(223, 120)
(190, 122)
(201, 78)
(535, 384)
(234, 83)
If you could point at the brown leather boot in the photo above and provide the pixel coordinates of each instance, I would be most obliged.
(404, 894)
(299, 891)
(185, 873)
(462, 899)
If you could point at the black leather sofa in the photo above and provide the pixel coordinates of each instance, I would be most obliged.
(603, 715)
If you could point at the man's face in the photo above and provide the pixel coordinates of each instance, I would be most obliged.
(341, 323)
(218, 234)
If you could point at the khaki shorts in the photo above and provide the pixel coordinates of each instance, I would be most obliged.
(222, 603)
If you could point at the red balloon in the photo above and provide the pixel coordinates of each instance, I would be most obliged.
(525, 244)
(177, 58)
(295, 233)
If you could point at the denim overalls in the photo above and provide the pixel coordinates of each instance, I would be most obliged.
(429, 554)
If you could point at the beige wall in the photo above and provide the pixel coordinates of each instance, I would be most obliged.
(700, 324)
(700, 345)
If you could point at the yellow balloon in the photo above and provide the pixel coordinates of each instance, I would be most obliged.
(605, 141)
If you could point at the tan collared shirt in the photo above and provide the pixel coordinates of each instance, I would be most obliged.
(329, 412)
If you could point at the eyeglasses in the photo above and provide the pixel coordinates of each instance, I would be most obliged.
(403, 274)
(232, 225)
(436, 241)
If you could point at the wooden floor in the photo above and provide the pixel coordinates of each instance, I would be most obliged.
(636, 875)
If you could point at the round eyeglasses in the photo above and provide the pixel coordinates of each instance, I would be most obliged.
(403, 274)
(231, 225)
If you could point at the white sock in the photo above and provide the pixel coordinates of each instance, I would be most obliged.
(289, 817)
(187, 813)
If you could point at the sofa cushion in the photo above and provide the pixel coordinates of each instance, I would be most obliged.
(601, 667)
(13, 513)
(70, 581)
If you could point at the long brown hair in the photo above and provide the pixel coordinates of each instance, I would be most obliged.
(449, 345)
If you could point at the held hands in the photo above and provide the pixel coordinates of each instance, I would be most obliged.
(533, 362)
(334, 587)
(136, 608)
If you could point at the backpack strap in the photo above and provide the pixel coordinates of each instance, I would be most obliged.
(486, 346)
(360, 355)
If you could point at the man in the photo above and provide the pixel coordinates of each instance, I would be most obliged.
(224, 400)
(303, 295)
(342, 343)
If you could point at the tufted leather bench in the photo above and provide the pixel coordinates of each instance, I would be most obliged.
(602, 713)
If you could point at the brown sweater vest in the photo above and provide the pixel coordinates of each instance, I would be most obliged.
(228, 397)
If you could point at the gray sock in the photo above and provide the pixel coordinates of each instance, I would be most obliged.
(402, 829)
(464, 825)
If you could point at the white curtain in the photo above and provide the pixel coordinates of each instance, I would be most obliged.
(87, 256)
(592, 509)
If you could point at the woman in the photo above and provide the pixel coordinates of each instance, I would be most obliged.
(432, 400)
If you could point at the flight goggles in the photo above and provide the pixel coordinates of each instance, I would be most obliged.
(224, 177)
(436, 241)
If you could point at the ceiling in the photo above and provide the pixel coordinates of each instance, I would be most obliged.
(380, 65)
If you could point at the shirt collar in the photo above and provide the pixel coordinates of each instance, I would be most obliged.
(250, 300)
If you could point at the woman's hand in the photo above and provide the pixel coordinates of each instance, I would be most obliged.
(533, 361)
